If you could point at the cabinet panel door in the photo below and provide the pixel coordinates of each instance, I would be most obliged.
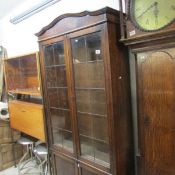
(84, 170)
(156, 86)
(90, 94)
(64, 166)
(57, 95)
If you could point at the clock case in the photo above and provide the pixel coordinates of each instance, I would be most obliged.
(133, 30)
(146, 65)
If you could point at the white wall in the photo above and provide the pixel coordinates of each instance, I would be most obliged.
(19, 38)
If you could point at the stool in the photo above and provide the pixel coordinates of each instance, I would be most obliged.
(29, 152)
(41, 154)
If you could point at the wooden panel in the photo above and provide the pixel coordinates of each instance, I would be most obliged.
(64, 166)
(9, 154)
(28, 118)
(84, 169)
(7, 134)
(156, 78)
(77, 21)
(118, 98)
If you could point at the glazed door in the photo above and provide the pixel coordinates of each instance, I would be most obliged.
(156, 92)
(57, 96)
(90, 96)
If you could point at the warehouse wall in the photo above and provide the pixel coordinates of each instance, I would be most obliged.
(20, 39)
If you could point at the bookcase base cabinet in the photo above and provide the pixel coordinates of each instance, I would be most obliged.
(85, 75)
(28, 118)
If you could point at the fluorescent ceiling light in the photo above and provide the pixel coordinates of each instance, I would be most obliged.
(32, 11)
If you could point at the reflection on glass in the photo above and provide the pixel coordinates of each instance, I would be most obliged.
(48, 55)
(58, 53)
(62, 139)
(61, 124)
(22, 74)
(58, 98)
(60, 119)
(87, 48)
(91, 98)
(79, 50)
(87, 147)
(93, 43)
(91, 101)
(92, 76)
(54, 54)
(101, 153)
(57, 90)
(51, 77)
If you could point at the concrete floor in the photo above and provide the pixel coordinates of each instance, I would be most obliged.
(14, 170)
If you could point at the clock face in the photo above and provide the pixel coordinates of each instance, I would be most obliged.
(152, 15)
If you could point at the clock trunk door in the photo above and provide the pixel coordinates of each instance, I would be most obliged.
(156, 92)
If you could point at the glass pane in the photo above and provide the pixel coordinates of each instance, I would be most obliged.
(61, 76)
(93, 42)
(57, 137)
(101, 153)
(58, 98)
(99, 133)
(57, 91)
(56, 76)
(52, 96)
(67, 141)
(91, 98)
(89, 75)
(51, 78)
(91, 101)
(60, 119)
(87, 148)
(58, 53)
(94, 138)
(79, 49)
(85, 124)
(22, 74)
(63, 139)
(48, 55)
(87, 48)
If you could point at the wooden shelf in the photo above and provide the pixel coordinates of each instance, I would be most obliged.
(26, 92)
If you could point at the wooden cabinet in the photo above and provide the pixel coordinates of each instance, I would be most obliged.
(155, 90)
(22, 74)
(85, 75)
(25, 102)
(156, 111)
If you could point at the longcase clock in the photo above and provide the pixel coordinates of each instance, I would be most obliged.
(150, 35)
